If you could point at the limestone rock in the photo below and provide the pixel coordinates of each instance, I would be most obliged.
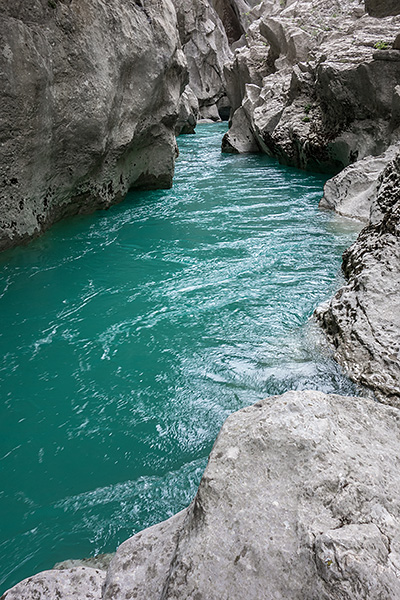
(141, 564)
(240, 137)
(205, 45)
(188, 112)
(89, 96)
(68, 584)
(299, 500)
(352, 192)
(339, 105)
(363, 318)
(382, 8)
(100, 562)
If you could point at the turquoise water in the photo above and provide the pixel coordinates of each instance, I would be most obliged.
(128, 336)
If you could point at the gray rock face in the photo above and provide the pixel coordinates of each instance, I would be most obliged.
(299, 500)
(382, 8)
(352, 192)
(89, 95)
(69, 584)
(327, 83)
(141, 564)
(363, 318)
(205, 45)
(295, 503)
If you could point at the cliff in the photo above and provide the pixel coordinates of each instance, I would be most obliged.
(314, 84)
(89, 95)
(363, 318)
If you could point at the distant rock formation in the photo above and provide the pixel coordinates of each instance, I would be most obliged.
(206, 48)
(299, 500)
(89, 100)
(314, 84)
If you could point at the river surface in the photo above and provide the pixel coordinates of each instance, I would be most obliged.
(128, 336)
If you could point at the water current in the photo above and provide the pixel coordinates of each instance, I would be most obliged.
(128, 336)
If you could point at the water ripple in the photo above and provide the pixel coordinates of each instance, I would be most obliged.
(128, 336)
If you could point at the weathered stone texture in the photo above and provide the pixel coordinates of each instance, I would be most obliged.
(77, 583)
(363, 318)
(299, 501)
(205, 45)
(326, 75)
(89, 95)
(382, 8)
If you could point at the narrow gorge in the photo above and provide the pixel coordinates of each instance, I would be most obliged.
(129, 337)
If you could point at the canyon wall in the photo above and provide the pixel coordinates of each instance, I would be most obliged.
(89, 99)
(314, 84)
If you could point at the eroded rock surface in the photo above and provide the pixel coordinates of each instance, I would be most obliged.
(89, 97)
(363, 318)
(352, 192)
(205, 44)
(69, 584)
(326, 74)
(299, 500)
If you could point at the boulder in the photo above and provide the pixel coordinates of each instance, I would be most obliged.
(141, 564)
(299, 500)
(89, 96)
(363, 319)
(352, 192)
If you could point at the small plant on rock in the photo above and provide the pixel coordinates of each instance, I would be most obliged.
(381, 45)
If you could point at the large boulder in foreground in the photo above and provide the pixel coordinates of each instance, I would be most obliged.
(300, 500)
(363, 319)
(89, 96)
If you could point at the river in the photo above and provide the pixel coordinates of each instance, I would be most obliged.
(128, 336)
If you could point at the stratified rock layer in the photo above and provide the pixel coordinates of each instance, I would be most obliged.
(299, 500)
(363, 318)
(89, 95)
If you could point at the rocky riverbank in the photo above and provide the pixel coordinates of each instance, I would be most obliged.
(299, 500)
(315, 84)
(300, 497)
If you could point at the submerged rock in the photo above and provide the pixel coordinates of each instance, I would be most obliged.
(299, 500)
(89, 96)
(363, 318)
